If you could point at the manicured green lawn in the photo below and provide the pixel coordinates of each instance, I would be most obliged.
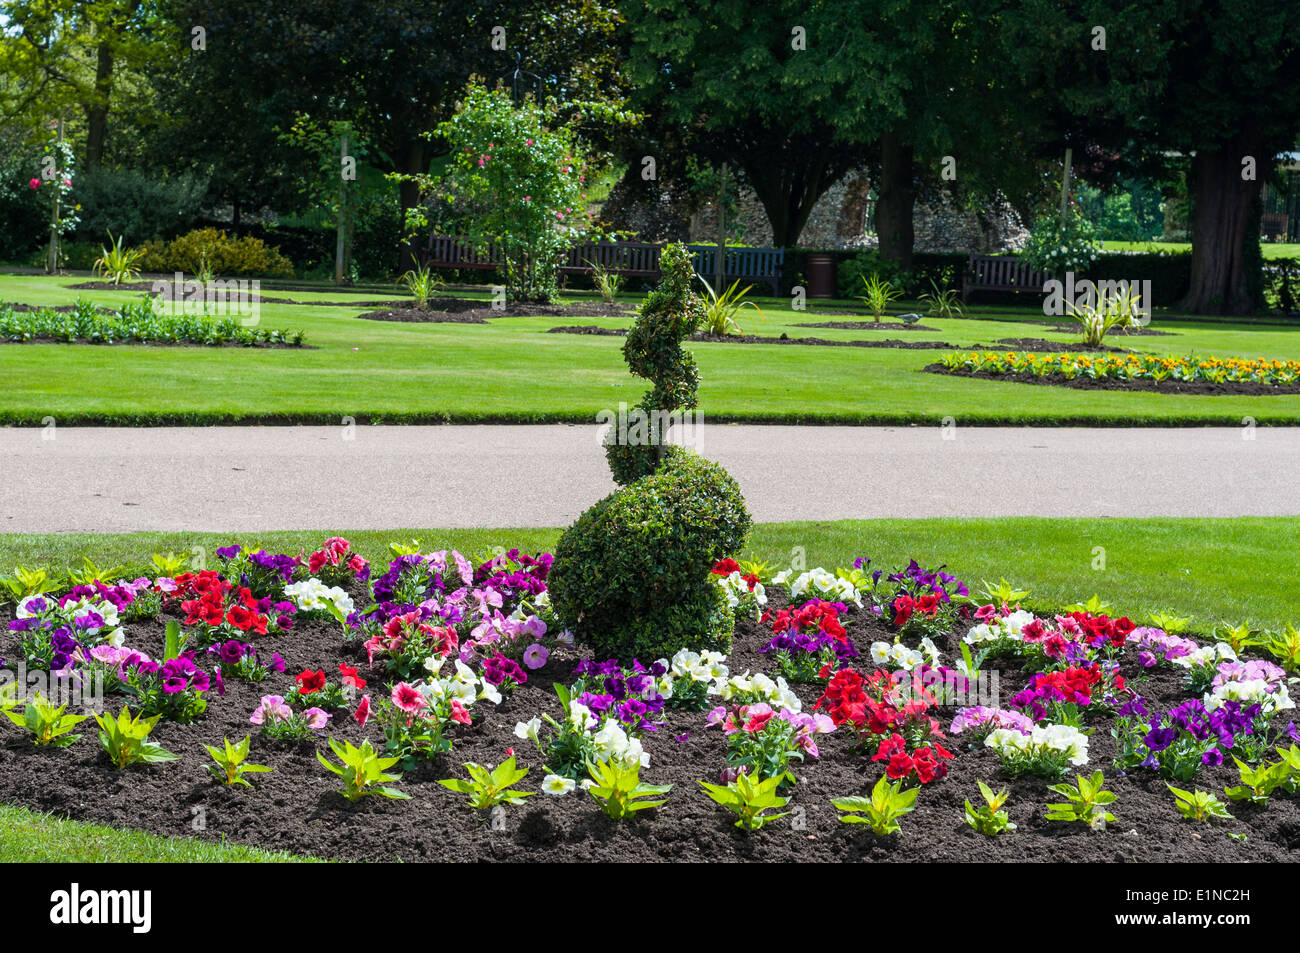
(1268, 249)
(1208, 569)
(511, 370)
(28, 837)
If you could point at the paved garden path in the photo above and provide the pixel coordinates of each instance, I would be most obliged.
(265, 478)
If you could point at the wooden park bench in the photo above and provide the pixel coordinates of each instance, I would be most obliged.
(1000, 273)
(630, 259)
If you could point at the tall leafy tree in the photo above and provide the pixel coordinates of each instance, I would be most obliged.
(762, 86)
(1214, 80)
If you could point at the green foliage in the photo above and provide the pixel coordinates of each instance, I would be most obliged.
(26, 582)
(607, 283)
(653, 351)
(488, 788)
(135, 323)
(720, 310)
(363, 770)
(748, 799)
(1258, 783)
(1240, 637)
(1003, 593)
(421, 284)
(517, 182)
(48, 724)
(888, 802)
(1169, 622)
(210, 249)
(230, 763)
(126, 739)
(137, 205)
(117, 263)
(1056, 249)
(942, 302)
(632, 575)
(1084, 802)
(877, 294)
(1285, 647)
(1199, 805)
(617, 785)
(989, 819)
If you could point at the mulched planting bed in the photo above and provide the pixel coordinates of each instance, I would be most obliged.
(295, 808)
(756, 339)
(867, 326)
(1040, 344)
(464, 311)
(1120, 332)
(59, 309)
(1209, 388)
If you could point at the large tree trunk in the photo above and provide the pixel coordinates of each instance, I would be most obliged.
(1225, 230)
(97, 114)
(895, 201)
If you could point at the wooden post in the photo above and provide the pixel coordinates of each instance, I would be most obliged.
(1065, 189)
(52, 261)
(720, 271)
(341, 228)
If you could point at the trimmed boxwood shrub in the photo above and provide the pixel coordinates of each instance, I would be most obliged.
(632, 575)
(225, 255)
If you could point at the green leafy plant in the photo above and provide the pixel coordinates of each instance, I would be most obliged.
(1094, 606)
(1199, 805)
(49, 725)
(607, 283)
(942, 302)
(1084, 802)
(117, 263)
(888, 802)
(126, 739)
(421, 284)
(1240, 637)
(170, 564)
(989, 818)
(404, 548)
(1285, 647)
(27, 582)
(720, 310)
(362, 770)
(1098, 318)
(617, 785)
(1169, 622)
(1258, 783)
(488, 788)
(877, 294)
(1060, 247)
(748, 799)
(1003, 593)
(89, 573)
(230, 766)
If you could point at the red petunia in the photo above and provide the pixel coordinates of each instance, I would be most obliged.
(309, 681)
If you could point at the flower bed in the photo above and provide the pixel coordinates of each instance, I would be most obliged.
(134, 324)
(1209, 375)
(837, 684)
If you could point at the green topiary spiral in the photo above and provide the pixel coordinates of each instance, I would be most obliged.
(653, 350)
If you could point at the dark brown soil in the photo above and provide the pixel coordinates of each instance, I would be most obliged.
(756, 339)
(465, 311)
(1107, 383)
(272, 345)
(295, 808)
(109, 286)
(1147, 332)
(58, 309)
(867, 326)
(1040, 344)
